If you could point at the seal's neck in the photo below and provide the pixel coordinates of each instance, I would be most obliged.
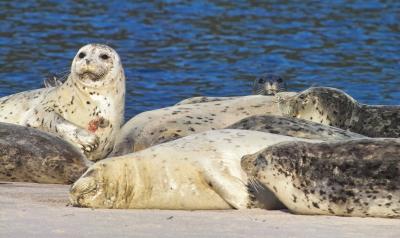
(110, 86)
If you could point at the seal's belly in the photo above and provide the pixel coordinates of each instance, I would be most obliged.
(180, 186)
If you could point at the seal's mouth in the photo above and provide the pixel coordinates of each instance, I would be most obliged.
(91, 76)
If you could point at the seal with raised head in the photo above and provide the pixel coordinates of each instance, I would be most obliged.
(200, 171)
(30, 155)
(87, 109)
(349, 178)
(269, 84)
(266, 84)
(333, 107)
(158, 126)
(294, 127)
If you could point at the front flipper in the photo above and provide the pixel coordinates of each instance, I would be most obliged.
(230, 188)
(53, 122)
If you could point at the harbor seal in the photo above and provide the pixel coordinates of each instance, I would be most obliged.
(294, 127)
(348, 178)
(333, 107)
(158, 126)
(30, 155)
(266, 84)
(199, 171)
(269, 84)
(87, 110)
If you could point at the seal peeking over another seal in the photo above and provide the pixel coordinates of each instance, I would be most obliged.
(350, 178)
(87, 109)
(30, 155)
(269, 84)
(200, 171)
(266, 84)
(333, 107)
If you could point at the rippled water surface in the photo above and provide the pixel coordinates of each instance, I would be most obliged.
(172, 50)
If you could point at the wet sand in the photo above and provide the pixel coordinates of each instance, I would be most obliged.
(39, 210)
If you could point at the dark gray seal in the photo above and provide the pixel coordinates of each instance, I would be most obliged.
(31, 155)
(269, 84)
(266, 84)
(293, 127)
(333, 107)
(349, 178)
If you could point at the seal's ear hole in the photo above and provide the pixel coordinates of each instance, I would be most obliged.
(82, 55)
(104, 56)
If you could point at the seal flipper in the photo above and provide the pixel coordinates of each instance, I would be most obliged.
(53, 122)
(230, 188)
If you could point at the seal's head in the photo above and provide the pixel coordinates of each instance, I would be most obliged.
(88, 190)
(96, 65)
(269, 84)
(101, 187)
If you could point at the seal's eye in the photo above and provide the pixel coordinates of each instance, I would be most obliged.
(261, 80)
(81, 55)
(280, 80)
(104, 56)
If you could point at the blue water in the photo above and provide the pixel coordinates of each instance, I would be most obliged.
(172, 50)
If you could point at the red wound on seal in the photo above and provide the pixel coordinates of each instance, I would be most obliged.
(96, 123)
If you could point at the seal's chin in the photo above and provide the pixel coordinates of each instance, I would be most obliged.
(90, 76)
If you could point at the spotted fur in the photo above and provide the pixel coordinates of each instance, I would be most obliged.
(294, 127)
(333, 107)
(159, 126)
(348, 178)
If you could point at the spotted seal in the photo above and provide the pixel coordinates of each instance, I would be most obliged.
(293, 127)
(348, 178)
(30, 155)
(158, 126)
(87, 109)
(333, 107)
(200, 171)
(266, 84)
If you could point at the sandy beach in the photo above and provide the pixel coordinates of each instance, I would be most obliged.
(40, 210)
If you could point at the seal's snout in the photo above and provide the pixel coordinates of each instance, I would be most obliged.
(73, 198)
(73, 201)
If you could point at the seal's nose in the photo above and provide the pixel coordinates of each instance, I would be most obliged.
(87, 61)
